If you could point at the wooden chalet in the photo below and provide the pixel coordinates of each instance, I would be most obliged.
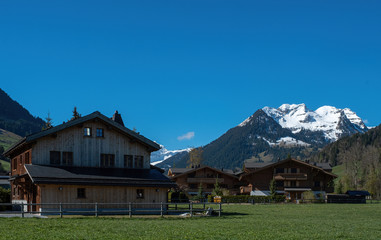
(86, 160)
(293, 177)
(189, 179)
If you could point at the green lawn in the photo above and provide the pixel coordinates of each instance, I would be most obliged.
(283, 221)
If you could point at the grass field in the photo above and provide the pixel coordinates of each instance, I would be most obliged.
(283, 221)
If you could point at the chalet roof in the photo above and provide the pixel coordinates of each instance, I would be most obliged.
(357, 193)
(325, 166)
(154, 146)
(227, 172)
(256, 164)
(180, 170)
(286, 160)
(40, 174)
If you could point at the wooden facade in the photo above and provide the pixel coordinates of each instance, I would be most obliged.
(293, 177)
(189, 181)
(86, 160)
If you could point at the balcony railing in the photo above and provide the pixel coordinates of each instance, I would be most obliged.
(290, 176)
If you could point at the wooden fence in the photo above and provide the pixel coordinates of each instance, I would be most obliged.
(97, 209)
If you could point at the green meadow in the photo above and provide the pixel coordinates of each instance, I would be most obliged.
(280, 221)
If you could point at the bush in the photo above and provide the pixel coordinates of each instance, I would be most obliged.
(252, 199)
(5, 197)
(178, 197)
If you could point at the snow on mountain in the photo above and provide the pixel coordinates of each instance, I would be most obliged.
(163, 154)
(333, 122)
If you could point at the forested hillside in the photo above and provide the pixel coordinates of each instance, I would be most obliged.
(360, 155)
(15, 118)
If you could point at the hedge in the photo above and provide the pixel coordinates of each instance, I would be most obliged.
(249, 199)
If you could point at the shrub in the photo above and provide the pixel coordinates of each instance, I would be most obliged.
(252, 199)
(5, 197)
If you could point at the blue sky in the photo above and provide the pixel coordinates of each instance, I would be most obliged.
(184, 72)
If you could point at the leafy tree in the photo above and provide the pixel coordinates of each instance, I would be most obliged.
(195, 156)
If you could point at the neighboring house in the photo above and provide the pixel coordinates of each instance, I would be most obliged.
(293, 177)
(189, 179)
(86, 160)
(4, 182)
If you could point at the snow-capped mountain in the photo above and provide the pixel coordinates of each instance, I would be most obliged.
(163, 154)
(274, 133)
(333, 122)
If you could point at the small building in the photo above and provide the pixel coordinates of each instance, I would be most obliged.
(86, 160)
(189, 179)
(354, 196)
(293, 177)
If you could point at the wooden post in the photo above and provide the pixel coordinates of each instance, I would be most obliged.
(161, 209)
(96, 209)
(204, 205)
(219, 210)
(22, 210)
(129, 210)
(191, 209)
(61, 210)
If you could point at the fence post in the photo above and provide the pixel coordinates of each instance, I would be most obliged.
(204, 206)
(219, 210)
(161, 209)
(61, 210)
(191, 209)
(22, 210)
(129, 210)
(96, 209)
(175, 206)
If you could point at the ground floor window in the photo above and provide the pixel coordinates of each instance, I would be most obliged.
(81, 193)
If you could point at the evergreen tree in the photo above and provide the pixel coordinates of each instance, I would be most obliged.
(217, 191)
(76, 115)
(200, 193)
(273, 189)
(48, 123)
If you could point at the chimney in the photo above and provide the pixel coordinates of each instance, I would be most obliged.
(117, 118)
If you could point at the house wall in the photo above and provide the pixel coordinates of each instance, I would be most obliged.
(261, 180)
(87, 149)
(207, 177)
(101, 194)
(18, 162)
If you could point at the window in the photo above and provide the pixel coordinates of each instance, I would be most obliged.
(292, 183)
(128, 161)
(20, 160)
(140, 193)
(192, 185)
(279, 183)
(139, 161)
(100, 132)
(67, 158)
(27, 160)
(55, 157)
(294, 170)
(14, 163)
(317, 183)
(279, 170)
(87, 132)
(81, 193)
(210, 186)
(107, 160)
(223, 185)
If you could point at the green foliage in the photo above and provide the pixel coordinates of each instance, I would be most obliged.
(273, 189)
(195, 157)
(5, 197)
(252, 199)
(177, 197)
(217, 191)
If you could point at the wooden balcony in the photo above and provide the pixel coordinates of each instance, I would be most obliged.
(290, 176)
(204, 180)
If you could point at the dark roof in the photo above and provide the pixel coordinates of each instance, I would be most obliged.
(80, 120)
(180, 170)
(325, 166)
(214, 169)
(257, 164)
(97, 176)
(358, 193)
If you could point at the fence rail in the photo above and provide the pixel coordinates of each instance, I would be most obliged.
(97, 209)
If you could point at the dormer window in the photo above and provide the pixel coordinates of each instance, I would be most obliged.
(100, 132)
(87, 132)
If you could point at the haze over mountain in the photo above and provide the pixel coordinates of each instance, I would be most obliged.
(272, 133)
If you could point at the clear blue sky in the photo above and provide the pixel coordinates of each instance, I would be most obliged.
(175, 67)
